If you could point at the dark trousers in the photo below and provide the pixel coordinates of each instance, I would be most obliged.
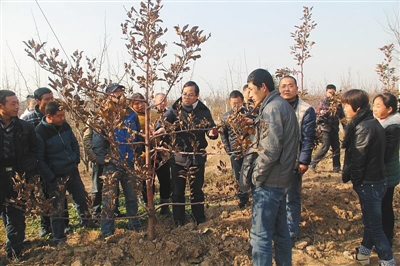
(196, 193)
(97, 189)
(388, 214)
(236, 164)
(57, 190)
(164, 178)
(13, 218)
(45, 220)
(329, 139)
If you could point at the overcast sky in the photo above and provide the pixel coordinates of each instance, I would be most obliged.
(245, 35)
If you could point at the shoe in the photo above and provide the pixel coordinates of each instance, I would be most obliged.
(13, 254)
(312, 168)
(357, 256)
(133, 228)
(68, 230)
(242, 205)
(61, 243)
(179, 223)
(105, 235)
(336, 170)
(90, 224)
(118, 214)
(44, 232)
(200, 221)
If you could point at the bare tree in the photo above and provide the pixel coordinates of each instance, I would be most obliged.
(302, 47)
(387, 72)
(74, 80)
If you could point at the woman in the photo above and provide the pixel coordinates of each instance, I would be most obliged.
(385, 111)
(364, 166)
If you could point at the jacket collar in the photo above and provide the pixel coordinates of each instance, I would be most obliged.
(272, 95)
(199, 105)
(391, 120)
(350, 129)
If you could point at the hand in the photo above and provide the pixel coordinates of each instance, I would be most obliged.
(213, 132)
(302, 168)
(249, 121)
(159, 131)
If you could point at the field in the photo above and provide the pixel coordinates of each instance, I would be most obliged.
(331, 223)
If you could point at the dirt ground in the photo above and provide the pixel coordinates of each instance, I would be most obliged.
(331, 223)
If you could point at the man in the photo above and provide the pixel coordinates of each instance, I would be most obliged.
(306, 118)
(230, 135)
(268, 169)
(42, 97)
(160, 102)
(163, 167)
(59, 156)
(18, 154)
(97, 151)
(246, 94)
(30, 106)
(329, 112)
(114, 169)
(187, 113)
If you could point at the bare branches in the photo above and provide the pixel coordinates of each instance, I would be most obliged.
(302, 47)
(386, 72)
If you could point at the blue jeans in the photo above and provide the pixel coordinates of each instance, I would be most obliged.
(57, 190)
(236, 164)
(269, 223)
(293, 205)
(110, 192)
(370, 194)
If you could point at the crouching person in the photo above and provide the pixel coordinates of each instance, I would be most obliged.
(18, 155)
(58, 155)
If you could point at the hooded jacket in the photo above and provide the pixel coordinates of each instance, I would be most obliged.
(271, 159)
(58, 150)
(364, 142)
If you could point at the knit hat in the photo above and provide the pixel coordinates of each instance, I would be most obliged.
(40, 92)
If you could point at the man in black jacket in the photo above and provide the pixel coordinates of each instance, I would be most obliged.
(18, 155)
(192, 121)
(329, 113)
(230, 137)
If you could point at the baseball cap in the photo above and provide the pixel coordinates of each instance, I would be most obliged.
(113, 87)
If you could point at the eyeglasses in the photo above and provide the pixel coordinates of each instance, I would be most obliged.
(191, 95)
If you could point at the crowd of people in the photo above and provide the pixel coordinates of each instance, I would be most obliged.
(270, 169)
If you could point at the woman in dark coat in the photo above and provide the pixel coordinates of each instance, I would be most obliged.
(364, 166)
(385, 111)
